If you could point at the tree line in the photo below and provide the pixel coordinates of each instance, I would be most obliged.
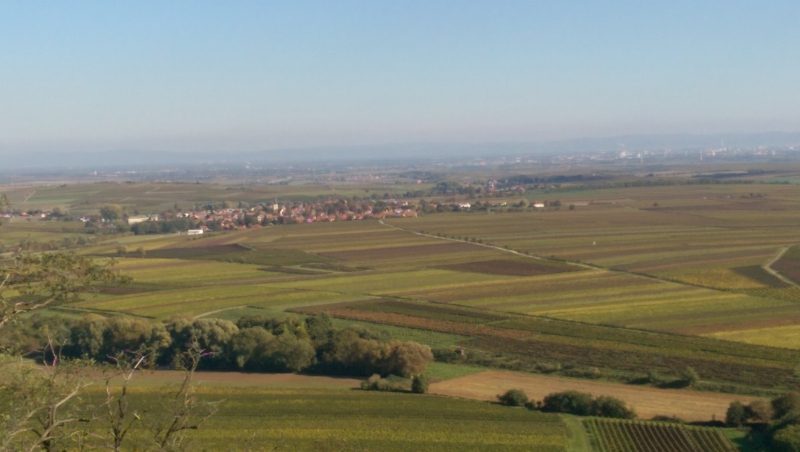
(251, 344)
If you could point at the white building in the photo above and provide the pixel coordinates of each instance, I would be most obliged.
(194, 232)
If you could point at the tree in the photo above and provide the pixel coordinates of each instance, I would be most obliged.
(40, 407)
(690, 377)
(759, 412)
(574, 402)
(408, 358)
(606, 406)
(513, 397)
(40, 280)
(111, 212)
(786, 404)
(182, 411)
(419, 384)
(736, 415)
(787, 439)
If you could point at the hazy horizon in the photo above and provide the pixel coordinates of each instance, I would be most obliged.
(253, 76)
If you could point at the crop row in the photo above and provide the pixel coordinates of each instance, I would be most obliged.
(636, 436)
(532, 343)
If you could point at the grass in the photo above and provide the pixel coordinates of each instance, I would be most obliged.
(252, 418)
(438, 371)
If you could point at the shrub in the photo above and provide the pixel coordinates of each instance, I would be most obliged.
(513, 397)
(419, 384)
(606, 406)
(759, 412)
(376, 383)
(736, 415)
(785, 404)
(690, 377)
(787, 439)
(573, 402)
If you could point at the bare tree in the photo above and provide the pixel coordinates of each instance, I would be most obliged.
(43, 408)
(183, 411)
(119, 415)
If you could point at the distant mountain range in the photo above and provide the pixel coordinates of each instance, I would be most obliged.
(12, 161)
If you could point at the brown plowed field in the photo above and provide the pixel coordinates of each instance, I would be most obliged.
(647, 401)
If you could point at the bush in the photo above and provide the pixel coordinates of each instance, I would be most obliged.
(376, 383)
(759, 412)
(419, 384)
(513, 397)
(573, 402)
(736, 415)
(605, 406)
(690, 377)
(785, 404)
(787, 439)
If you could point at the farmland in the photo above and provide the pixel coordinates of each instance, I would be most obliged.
(619, 436)
(293, 416)
(624, 294)
(647, 402)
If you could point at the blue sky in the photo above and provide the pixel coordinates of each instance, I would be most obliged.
(238, 75)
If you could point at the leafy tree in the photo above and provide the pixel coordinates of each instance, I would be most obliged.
(513, 397)
(47, 279)
(606, 406)
(736, 415)
(787, 439)
(419, 384)
(690, 377)
(759, 412)
(574, 402)
(211, 335)
(785, 405)
(408, 358)
(111, 212)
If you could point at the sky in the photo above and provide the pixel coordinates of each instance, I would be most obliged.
(246, 76)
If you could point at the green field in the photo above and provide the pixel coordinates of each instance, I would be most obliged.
(619, 436)
(679, 259)
(253, 418)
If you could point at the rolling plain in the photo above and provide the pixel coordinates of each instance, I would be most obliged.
(620, 286)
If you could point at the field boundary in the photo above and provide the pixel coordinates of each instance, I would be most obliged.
(768, 267)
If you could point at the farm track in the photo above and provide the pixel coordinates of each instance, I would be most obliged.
(217, 311)
(550, 260)
(768, 267)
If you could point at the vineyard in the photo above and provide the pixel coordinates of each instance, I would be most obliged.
(637, 436)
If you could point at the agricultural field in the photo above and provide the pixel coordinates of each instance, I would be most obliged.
(646, 401)
(626, 292)
(524, 270)
(622, 436)
(293, 417)
(561, 347)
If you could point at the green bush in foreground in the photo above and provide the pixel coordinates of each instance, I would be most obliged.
(513, 397)
(419, 384)
(787, 439)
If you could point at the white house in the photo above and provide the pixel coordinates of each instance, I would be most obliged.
(194, 232)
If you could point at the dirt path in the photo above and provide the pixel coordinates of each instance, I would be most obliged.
(30, 195)
(647, 401)
(217, 311)
(493, 247)
(768, 267)
(544, 259)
